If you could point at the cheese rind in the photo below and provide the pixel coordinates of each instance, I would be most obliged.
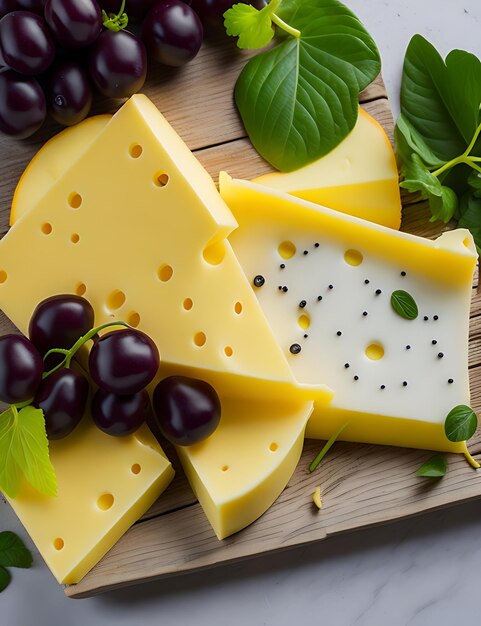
(242, 468)
(359, 177)
(104, 485)
(395, 380)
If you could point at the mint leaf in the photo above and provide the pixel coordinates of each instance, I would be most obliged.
(24, 450)
(5, 578)
(436, 467)
(441, 99)
(404, 304)
(254, 28)
(299, 100)
(442, 200)
(461, 423)
(13, 552)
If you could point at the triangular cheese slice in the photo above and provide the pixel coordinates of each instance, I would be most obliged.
(359, 177)
(329, 279)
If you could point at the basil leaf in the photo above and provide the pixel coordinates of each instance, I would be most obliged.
(436, 467)
(409, 141)
(5, 578)
(299, 100)
(404, 305)
(13, 552)
(461, 423)
(441, 99)
(442, 200)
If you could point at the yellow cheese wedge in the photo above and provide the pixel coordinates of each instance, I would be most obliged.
(52, 161)
(138, 227)
(395, 380)
(242, 468)
(359, 177)
(104, 485)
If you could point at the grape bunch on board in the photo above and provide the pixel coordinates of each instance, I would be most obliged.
(55, 54)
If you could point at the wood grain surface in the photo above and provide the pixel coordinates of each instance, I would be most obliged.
(362, 485)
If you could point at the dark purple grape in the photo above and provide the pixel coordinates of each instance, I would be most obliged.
(172, 32)
(124, 361)
(59, 321)
(75, 23)
(63, 398)
(68, 92)
(119, 415)
(7, 6)
(26, 44)
(187, 410)
(21, 369)
(36, 6)
(118, 64)
(22, 105)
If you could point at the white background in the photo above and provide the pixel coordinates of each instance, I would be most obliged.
(422, 571)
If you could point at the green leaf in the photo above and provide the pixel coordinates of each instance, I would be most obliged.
(442, 200)
(441, 99)
(334, 437)
(461, 423)
(13, 552)
(436, 467)
(404, 304)
(409, 141)
(24, 450)
(253, 27)
(5, 578)
(299, 100)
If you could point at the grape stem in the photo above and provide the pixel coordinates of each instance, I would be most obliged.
(69, 354)
(115, 21)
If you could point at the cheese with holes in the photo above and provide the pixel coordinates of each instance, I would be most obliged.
(359, 177)
(242, 468)
(327, 295)
(137, 226)
(104, 485)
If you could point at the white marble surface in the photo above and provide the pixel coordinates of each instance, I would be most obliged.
(419, 572)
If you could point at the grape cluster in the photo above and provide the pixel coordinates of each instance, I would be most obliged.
(121, 363)
(55, 53)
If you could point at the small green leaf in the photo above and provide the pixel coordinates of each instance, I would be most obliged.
(315, 463)
(13, 552)
(254, 28)
(434, 468)
(404, 304)
(461, 423)
(442, 200)
(5, 578)
(409, 141)
(24, 450)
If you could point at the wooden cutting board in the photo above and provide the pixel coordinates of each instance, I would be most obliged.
(362, 485)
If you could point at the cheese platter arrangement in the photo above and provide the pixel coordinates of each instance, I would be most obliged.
(237, 333)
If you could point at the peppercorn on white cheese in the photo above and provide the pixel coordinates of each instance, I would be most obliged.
(325, 282)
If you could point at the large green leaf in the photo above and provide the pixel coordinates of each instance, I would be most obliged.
(299, 100)
(13, 552)
(440, 99)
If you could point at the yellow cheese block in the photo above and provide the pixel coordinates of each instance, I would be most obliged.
(52, 161)
(104, 485)
(359, 177)
(329, 278)
(242, 468)
(138, 227)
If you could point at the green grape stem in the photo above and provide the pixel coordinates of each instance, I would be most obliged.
(69, 354)
(115, 21)
(272, 7)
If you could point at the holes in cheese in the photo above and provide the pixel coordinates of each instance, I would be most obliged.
(228, 351)
(74, 238)
(46, 228)
(188, 304)
(286, 249)
(136, 468)
(200, 339)
(161, 179)
(135, 150)
(357, 343)
(105, 501)
(75, 200)
(165, 273)
(116, 300)
(238, 308)
(80, 289)
(353, 257)
(133, 318)
(58, 543)
(3, 276)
